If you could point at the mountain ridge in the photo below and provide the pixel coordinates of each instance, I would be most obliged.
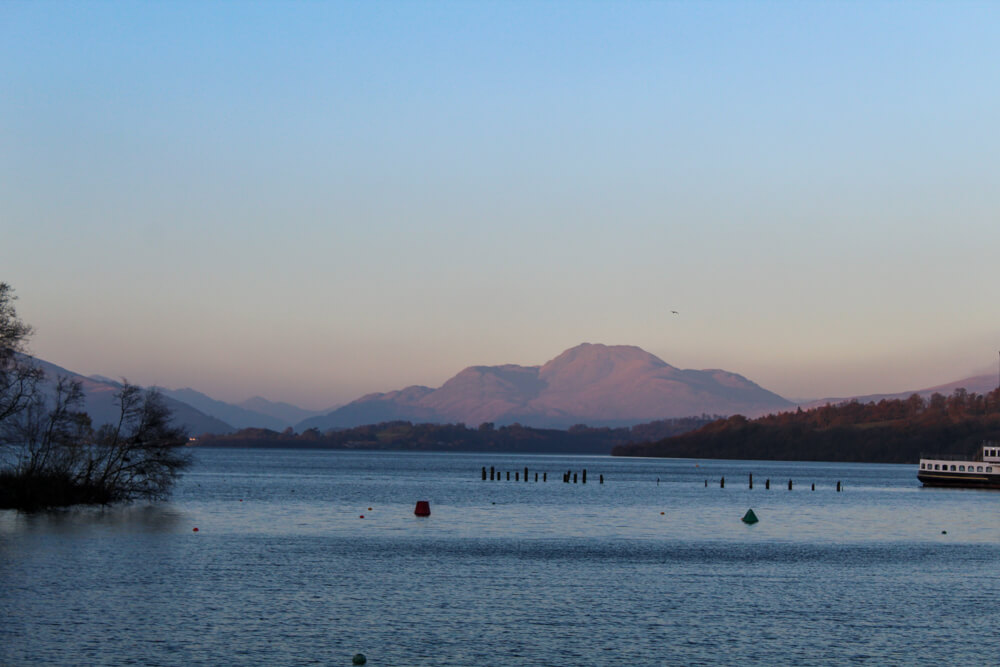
(99, 402)
(288, 413)
(590, 383)
(506, 393)
(234, 415)
(980, 384)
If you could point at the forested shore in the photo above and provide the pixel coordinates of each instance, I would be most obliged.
(406, 436)
(889, 431)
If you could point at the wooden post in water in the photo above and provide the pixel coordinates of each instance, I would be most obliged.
(789, 485)
(491, 473)
(525, 473)
(484, 473)
(602, 479)
(516, 473)
(838, 486)
(545, 476)
(751, 480)
(814, 486)
(722, 483)
(706, 483)
(767, 484)
(508, 475)
(536, 476)
(574, 478)
(584, 476)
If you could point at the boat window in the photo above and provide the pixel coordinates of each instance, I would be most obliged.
(937, 466)
(989, 468)
(979, 468)
(953, 468)
(921, 466)
(961, 468)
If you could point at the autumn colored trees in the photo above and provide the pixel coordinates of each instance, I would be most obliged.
(886, 431)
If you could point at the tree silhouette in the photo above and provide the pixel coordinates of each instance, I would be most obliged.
(53, 457)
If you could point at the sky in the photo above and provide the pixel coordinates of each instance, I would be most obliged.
(311, 201)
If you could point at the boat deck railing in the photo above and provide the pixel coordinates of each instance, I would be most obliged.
(951, 457)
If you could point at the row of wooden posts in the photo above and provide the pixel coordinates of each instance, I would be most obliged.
(767, 484)
(569, 474)
(495, 474)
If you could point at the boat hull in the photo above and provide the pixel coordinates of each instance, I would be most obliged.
(959, 479)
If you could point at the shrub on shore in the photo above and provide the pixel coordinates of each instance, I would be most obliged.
(50, 456)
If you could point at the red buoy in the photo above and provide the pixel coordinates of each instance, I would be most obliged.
(423, 508)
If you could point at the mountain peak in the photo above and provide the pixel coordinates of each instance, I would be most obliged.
(594, 362)
(590, 383)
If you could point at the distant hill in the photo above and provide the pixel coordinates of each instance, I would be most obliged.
(402, 405)
(286, 412)
(236, 416)
(599, 385)
(99, 402)
(979, 384)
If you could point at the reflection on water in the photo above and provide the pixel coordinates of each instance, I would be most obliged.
(130, 518)
(283, 569)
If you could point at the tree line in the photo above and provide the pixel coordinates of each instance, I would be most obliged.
(487, 437)
(51, 455)
(886, 431)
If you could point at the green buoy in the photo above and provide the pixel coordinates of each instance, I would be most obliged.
(750, 517)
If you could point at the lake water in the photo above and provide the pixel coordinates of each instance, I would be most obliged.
(284, 571)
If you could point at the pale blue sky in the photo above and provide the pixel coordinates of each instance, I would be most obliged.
(310, 201)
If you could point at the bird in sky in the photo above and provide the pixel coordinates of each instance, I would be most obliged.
(675, 312)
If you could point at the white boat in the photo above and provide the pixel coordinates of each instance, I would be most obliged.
(982, 472)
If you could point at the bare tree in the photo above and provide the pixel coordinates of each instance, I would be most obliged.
(141, 456)
(50, 432)
(19, 378)
(52, 456)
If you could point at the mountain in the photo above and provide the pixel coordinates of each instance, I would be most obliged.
(591, 383)
(376, 408)
(978, 384)
(235, 415)
(99, 402)
(286, 412)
